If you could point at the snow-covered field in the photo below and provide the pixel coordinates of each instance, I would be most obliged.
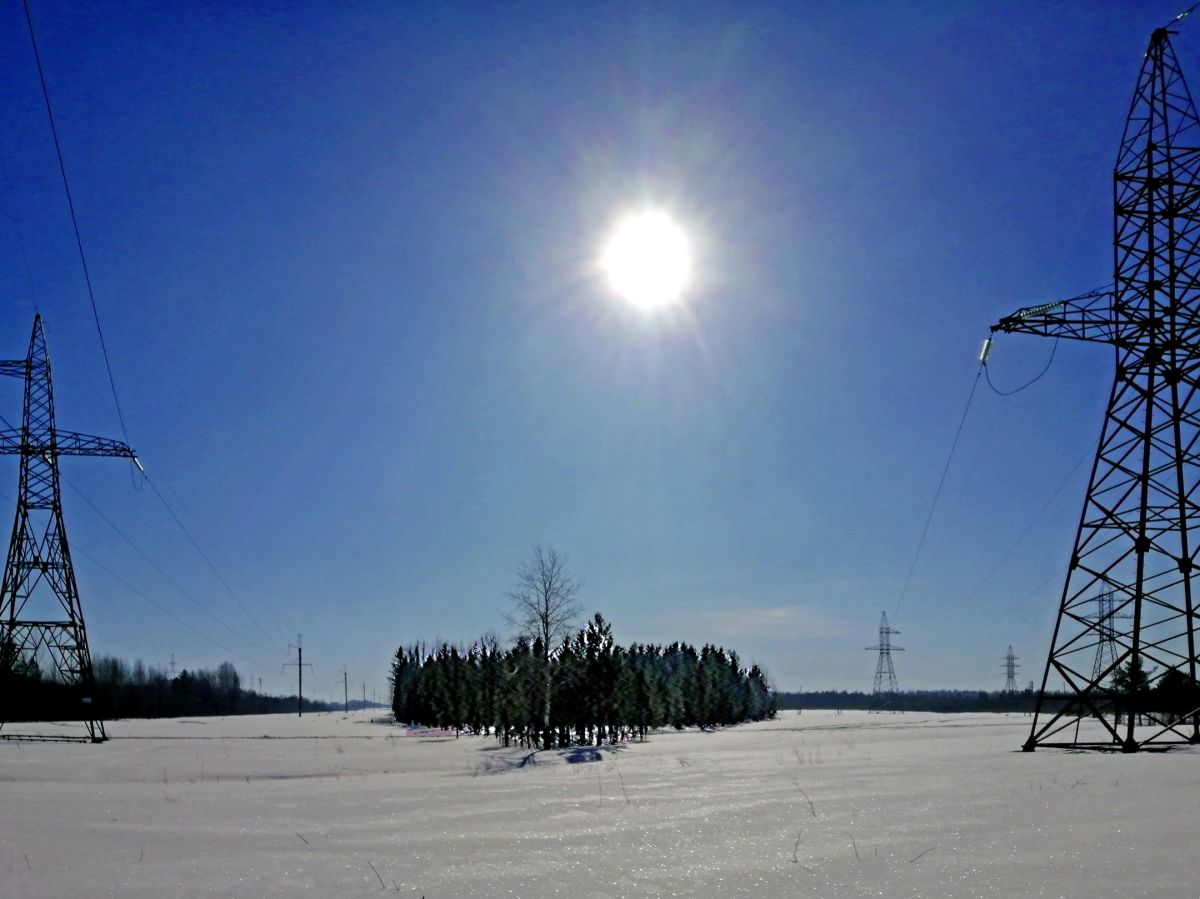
(819, 805)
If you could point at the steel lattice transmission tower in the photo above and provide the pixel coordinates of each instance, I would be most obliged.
(1106, 646)
(40, 616)
(1140, 522)
(884, 696)
(1010, 671)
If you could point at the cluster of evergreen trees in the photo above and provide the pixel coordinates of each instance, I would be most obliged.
(1162, 700)
(586, 691)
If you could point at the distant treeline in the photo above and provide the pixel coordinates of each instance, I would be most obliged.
(912, 701)
(124, 690)
(586, 691)
(1129, 690)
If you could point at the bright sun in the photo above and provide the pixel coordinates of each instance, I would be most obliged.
(647, 260)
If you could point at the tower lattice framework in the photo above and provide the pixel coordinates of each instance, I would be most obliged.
(41, 621)
(886, 691)
(1138, 530)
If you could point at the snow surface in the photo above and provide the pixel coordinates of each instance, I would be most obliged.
(819, 805)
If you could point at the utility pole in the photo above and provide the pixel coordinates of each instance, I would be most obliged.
(40, 612)
(1137, 535)
(345, 691)
(364, 694)
(299, 663)
(172, 666)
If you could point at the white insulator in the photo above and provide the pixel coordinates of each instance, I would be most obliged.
(983, 352)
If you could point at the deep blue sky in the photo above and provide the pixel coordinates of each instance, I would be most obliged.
(344, 256)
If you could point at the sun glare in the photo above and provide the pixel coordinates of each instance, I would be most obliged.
(647, 261)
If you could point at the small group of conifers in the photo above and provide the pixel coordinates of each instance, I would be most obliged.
(586, 691)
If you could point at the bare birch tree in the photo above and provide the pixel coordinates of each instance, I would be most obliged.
(544, 608)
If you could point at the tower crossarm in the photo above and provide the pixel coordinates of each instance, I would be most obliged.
(66, 443)
(14, 368)
(1091, 316)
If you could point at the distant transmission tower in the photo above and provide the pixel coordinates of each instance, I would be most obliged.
(886, 690)
(1106, 636)
(1010, 669)
(1137, 536)
(40, 616)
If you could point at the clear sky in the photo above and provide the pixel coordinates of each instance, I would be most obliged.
(345, 257)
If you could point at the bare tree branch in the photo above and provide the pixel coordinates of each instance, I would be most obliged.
(544, 605)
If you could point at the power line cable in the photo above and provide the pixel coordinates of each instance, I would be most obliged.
(1046, 505)
(937, 493)
(953, 501)
(1183, 15)
(205, 557)
(62, 168)
(1029, 527)
(163, 573)
(166, 611)
(132, 589)
(186, 533)
(988, 374)
(1056, 573)
(167, 577)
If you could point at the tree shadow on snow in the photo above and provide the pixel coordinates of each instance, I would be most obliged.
(513, 758)
(577, 755)
(506, 758)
